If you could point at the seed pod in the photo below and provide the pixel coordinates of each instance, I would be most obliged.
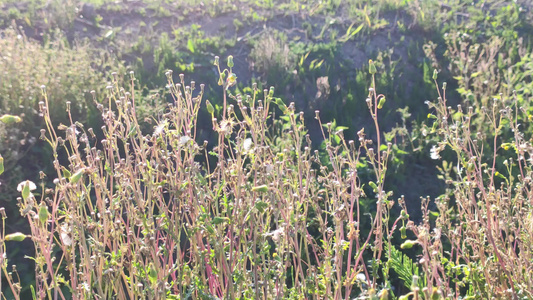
(381, 103)
(281, 105)
(1, 165)
(26, 191)
(384, 295)
(10, 119)
(271, 92)
(261, 188)
(408, 244)
(43, 214)
(435, 294)
(414, 284)
(373, 186)
(371, 67)
(222, 78)
(435, 72)
(210, 108)
(15, 237)
(76, 176)
(232, 79)
(25, 188)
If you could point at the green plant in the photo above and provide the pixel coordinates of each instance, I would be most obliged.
(480, 237)
(69, 73)
(271, 55)
(143, 207)
(138, 215)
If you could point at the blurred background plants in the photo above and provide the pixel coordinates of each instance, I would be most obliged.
(68, 72)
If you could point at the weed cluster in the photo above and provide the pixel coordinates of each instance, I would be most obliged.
(131, 211)
(134, 215)
(69, 73)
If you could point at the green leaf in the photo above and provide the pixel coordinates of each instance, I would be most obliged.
(402, 265)
(190, 46)
(349, 33)
(66, 173)
(1, 165)
(34, 296)
(261, 206)
(152, 273)
(260, 188)
(220, 220)
(132, 131)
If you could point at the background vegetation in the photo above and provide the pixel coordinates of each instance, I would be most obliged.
(405, 177)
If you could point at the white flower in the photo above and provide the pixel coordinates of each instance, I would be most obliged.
(434, 153)
(247, 144)
(160, 128)
(276, 234)
(31, 185)
(184, 140)
(65, 235)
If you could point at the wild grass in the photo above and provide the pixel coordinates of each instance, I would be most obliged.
(70, 72)
(137, 216)
(260, 215)
(257, 213)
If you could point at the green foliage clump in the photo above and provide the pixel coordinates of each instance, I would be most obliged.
(271, 55)
(67, 73)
